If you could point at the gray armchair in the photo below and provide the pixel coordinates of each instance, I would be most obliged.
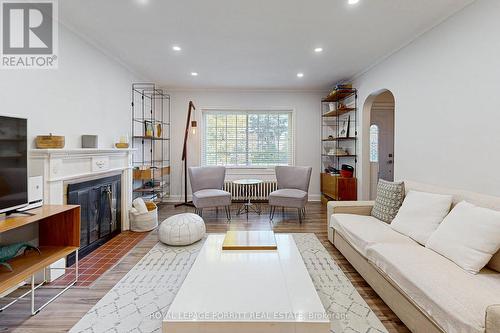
(293, 185)
(206, 185)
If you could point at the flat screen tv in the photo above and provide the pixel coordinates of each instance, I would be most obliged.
(13, 164)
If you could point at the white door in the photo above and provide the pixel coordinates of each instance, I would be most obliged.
(373, 180)
(383, 116)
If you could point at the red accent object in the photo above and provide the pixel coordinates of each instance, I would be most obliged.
(346, 173)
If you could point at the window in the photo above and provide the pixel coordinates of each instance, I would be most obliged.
(247, 138)
(374, 143)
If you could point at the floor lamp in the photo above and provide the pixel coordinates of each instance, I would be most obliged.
(193, 125)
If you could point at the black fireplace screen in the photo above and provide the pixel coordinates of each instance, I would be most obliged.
(100, 202)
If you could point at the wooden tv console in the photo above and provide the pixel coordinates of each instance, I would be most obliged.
(58, 236)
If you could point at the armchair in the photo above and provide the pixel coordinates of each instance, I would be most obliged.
(293, 187)
(206, 185)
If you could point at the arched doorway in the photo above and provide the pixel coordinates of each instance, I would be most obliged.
(378, 144)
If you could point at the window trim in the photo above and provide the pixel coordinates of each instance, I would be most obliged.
(234, 169)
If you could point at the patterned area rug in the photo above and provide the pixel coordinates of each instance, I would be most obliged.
(140, 300)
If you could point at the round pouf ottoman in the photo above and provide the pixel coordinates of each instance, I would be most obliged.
(181, 229)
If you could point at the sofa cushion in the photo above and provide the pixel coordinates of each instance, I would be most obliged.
(420, 214)
(469, 236)
(390, 196)
(456, 300)
(288, 198)
(211, 198)
(481, 200)
(363, 231)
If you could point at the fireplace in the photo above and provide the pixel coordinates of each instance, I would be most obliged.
(100, 202)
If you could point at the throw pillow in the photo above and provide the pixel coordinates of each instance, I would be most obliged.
(140, 205)
(420, 215)
(469, 236)
(390, 196)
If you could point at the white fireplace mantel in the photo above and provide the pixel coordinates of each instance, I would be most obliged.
(62, 166)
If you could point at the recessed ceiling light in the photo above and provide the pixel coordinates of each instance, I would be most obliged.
(318, 50)
(353, 2)
(142, 2)
(194, 74)
(176, 48)
(300, 74)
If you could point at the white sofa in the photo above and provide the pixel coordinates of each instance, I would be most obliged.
(428, 292)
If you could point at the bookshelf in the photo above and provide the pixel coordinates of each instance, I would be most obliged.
(151, 137)
(339, 135)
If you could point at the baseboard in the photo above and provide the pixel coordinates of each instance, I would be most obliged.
(314, 197)
(178, 198)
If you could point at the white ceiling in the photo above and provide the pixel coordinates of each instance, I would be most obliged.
(252, 44)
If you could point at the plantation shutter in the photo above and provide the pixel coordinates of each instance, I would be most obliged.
(247, 138)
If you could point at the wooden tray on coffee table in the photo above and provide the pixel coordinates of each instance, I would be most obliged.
(249, 240)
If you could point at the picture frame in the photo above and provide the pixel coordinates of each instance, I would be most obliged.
(344, 127)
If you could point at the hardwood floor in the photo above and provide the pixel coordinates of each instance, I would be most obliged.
(63, 313)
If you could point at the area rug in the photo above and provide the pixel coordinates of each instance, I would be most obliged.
(138, 302)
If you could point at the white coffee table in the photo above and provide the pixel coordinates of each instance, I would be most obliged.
(247, 292)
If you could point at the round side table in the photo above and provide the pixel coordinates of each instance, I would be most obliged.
(247, 185)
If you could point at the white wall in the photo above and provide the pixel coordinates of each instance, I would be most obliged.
(446, 85)
(307, 124)
(88, 94)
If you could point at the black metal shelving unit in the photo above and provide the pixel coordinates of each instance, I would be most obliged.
(345, 103)
(151, 160)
